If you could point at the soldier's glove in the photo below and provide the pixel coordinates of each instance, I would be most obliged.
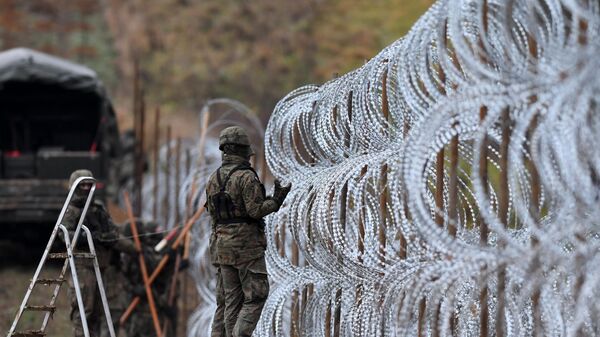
(280, 192)
(184, 264)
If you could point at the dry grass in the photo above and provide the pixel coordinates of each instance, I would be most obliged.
(17, 266)
(14, 281)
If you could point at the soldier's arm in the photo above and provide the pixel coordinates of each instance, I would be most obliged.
(111, 236)
(257, 204)
(213, 220)
(69, 220)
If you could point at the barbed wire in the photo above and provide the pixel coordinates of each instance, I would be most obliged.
(449, 184)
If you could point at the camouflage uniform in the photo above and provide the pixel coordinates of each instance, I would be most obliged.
(238, 240)
(218, 324)
(116, 293)
(140, 323)
(108, 249)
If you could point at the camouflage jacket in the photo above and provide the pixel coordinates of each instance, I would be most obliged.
(104, 232)
(244, 241)
(135, 281)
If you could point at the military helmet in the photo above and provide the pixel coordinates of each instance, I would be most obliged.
(78, 174)
(233, 135)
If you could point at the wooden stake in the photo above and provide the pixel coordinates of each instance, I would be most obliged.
(439, 188)
(453, 187)
(171, 295)
(166, 200)
(155, 160)
(503, 199)
(141, 159)
(142, 262)
(177, 179)
(483, 229)
(163, 262)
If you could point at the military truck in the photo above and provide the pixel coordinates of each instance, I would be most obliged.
(55, 117)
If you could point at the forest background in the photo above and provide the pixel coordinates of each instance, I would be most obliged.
(188, 51)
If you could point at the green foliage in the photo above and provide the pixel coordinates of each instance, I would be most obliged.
(190, 51)
(71, 29)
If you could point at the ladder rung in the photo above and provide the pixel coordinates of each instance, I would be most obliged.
(28, 333)
(49, 281)
(75, 255)
(49, 308)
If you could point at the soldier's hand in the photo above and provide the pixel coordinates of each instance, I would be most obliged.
(172, 253)
(184, 264)
(280, 192)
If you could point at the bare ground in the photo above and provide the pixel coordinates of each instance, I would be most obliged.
(17, 266)
(16, 270)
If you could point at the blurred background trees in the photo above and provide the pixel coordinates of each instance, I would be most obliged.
(191, 50)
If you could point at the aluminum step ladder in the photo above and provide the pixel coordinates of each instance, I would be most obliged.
(69, 263)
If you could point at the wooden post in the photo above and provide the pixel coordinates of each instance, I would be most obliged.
(142, 158)
(383, 179)
(383, 211)
(439, 188)
(188, 167)
(177, 179)
(143, 269)
(163, 262)
(294, 327)
(439, 219)
(172, 292)
(453, 187)
(166, 199)
(421, 318)
(483, 228)
(483, 174)
(337, 313)
(403, 253)
(503, 199)
(328, 320)
(156, 161)
(534, 210)
(138, 128)
(452, 210)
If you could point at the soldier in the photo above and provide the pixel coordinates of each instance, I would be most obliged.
(116, 293)
(108, 249)
(237, 203)
(140, 324)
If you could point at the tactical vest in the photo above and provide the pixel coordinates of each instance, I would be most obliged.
(222, 203)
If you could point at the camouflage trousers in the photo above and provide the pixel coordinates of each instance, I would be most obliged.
(92, 303)
(218, 324)
(140, 323)
(241, 295)
(117, 297)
